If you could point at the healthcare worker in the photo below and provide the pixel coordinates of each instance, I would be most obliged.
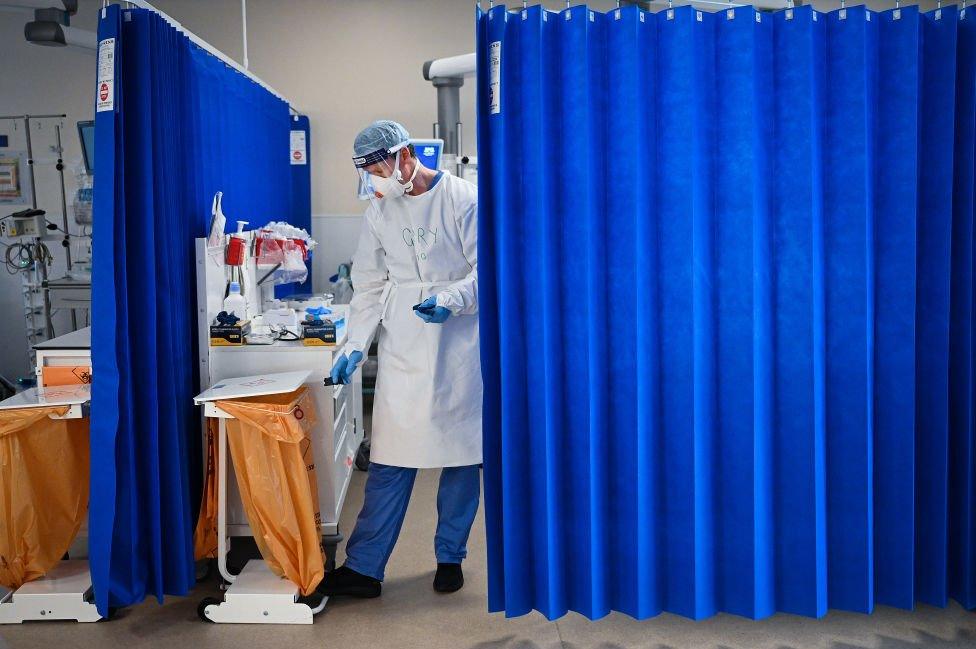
(415, 281)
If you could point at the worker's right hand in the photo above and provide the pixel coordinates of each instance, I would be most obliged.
(345, 367)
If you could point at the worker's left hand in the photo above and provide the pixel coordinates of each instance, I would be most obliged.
(429, 312)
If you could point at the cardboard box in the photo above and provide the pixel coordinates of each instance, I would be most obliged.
(319, 334)
(229, 335)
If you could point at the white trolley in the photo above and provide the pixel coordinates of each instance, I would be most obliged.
(336, 437)
(64, 593)
(255, 595)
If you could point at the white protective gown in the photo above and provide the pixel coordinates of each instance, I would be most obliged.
(427, 407)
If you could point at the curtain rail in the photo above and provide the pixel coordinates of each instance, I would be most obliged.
(144, 4)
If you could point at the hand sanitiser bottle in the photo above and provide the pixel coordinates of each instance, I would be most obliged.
(235, 302)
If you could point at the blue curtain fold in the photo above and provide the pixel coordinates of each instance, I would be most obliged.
(301, 202)
(183, 126)
(727, 309)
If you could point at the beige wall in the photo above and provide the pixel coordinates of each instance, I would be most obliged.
(342, 62)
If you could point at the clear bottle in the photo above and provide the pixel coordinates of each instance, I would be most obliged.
(235, 302)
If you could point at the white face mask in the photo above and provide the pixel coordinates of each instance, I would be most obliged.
(390, 187)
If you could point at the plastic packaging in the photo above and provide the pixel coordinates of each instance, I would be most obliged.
(271, 448)
(43, 490)
(282, 260)
(235, 302)
(217, 222)
(282, 250)
(82, 201)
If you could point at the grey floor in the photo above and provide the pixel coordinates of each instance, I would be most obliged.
(410, 614)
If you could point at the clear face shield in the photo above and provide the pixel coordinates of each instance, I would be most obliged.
(381, 174)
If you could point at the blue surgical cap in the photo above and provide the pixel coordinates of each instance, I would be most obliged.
(380, 136)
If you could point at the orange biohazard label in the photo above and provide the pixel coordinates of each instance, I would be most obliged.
(54, 376)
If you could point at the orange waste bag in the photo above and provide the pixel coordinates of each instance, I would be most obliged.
(205, 534)
(43, 490)
(271, 448)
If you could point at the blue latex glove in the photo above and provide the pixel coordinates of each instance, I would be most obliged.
(429, 312)
(344, 368)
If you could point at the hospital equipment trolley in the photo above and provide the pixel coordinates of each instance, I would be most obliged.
(256, 595)
(336, 435)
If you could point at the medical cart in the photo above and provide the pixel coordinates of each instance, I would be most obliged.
(336, 436)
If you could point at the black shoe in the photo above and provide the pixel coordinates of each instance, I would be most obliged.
(449, 578)
(348, 582)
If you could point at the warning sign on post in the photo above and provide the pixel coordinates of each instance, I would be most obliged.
(105, 86)
(495, 78)
(299, 154)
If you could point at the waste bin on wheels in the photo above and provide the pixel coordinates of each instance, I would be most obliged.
(265, 422)
(44, 469)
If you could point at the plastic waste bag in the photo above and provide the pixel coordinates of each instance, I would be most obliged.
(205, 534)
(271, 448)
(43, 490)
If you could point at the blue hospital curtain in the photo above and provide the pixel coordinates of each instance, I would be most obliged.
(181, 126)
(301, 199)
(727, 309)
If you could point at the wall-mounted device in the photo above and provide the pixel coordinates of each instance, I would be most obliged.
(26, 223)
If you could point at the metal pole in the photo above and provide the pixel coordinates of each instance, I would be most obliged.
(222, 545)
(458, 164)
(32, 116)
(244, 29)
(40, 265)
(30, 160)
(64, 219)
(449, 110)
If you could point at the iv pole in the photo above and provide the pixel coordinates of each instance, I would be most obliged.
(38, 257)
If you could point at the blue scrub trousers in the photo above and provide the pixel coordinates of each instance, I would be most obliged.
(388, 491)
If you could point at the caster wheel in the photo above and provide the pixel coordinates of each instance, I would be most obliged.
(202, 608)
